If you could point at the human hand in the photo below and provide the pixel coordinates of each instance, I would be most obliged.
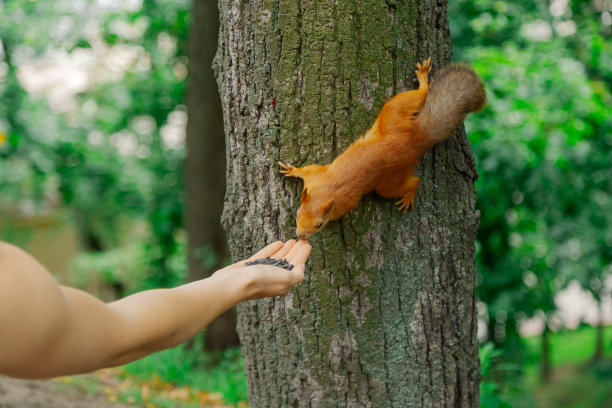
(266, 280)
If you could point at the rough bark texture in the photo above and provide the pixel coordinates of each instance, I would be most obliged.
(205, 166)
(386, 315)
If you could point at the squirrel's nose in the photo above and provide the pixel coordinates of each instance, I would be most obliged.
(300, 233)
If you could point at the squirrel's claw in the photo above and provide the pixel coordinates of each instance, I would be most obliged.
(425, 67)
(288, 170)
(405, 204)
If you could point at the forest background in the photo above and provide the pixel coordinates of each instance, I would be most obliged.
(93, 175)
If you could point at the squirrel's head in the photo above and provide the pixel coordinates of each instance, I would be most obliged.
(313, 214)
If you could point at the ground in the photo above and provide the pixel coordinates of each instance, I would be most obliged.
(49, 394)
(577, 385)
(108, 388)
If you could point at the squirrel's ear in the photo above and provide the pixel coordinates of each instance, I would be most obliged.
(304, 194)
(327, 206)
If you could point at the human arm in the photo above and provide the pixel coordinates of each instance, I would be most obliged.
(48, 330)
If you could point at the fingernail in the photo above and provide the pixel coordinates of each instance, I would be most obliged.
(303, 266)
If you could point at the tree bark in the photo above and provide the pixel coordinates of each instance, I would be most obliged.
(205, 166)
(386, 315)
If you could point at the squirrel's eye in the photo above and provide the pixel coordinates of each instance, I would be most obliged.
(319, 225)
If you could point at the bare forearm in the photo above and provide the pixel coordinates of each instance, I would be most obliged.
(48, 330)
(163, 318)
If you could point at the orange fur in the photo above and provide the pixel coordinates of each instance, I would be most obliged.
(383, 159)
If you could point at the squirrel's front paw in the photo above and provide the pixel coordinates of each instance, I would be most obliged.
(288, 170)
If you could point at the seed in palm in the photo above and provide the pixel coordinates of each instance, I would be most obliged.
(281, 263)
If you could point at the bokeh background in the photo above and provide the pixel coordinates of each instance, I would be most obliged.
(93, 114)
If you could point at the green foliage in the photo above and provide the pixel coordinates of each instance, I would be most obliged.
(115, 157)
(221, 372)
(568, 346)
(575, 387)
(112, 267)
(575, 382)
(501, 382)
(542, 146)
(126, 268)
(489, 390)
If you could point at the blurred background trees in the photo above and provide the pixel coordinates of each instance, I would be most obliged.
(104, 138)
(543, 148)
(93, 112)
(205, 166)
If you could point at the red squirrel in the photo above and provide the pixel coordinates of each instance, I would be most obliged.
(383, 159)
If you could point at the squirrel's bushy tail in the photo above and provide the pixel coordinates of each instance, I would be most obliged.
(454, 92)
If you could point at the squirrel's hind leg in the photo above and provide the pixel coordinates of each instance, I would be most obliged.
(407, 201)
(405, 188)
(397, 116)
(422, 72)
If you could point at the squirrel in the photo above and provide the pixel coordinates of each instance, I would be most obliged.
(383, 159)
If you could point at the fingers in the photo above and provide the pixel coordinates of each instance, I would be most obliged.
(268, 251)
(294, 252)
(265, 252)
(270, 280)
(282, 252)
(298, 256)
(293, 249)
(301, 255)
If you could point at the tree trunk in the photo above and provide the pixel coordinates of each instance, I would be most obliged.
(205, 166)
(386, 315)
(599, 339)
(545, 365)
